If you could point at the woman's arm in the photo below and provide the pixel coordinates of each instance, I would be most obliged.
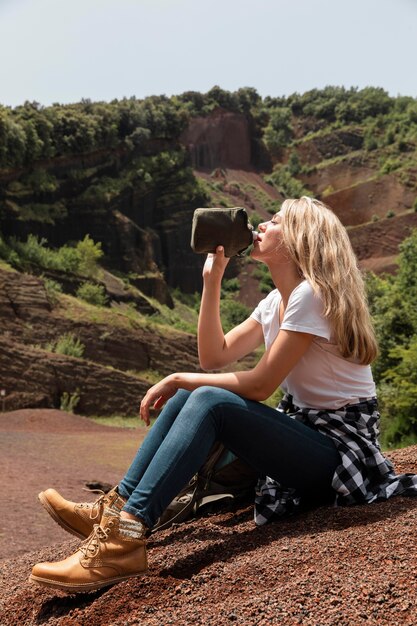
(214, 348)
(256, 384)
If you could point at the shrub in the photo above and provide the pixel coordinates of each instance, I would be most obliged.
(66, 259)
(81, 259)
(67, 344)
(286, 184)
(265, 280)
(33, 251)
(69, 401)
(89, 255)
(232, 313)
(92, 293)
(8, 254)
(231, 284)
(390, 165)
(294, 164)
(42, 181)
(369, 141)
(53, 289)
(255, 219)
(399, 395)
(279, 131)
(390, 213)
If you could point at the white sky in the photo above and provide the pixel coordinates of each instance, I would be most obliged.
(65, 50)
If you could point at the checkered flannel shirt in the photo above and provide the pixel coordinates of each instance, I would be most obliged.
(364, 474)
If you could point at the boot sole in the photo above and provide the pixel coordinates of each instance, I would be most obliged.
(49, 509)
(83, 587)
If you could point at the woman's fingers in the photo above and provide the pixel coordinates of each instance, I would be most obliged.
(215, 263)
(155, 398)
(144, 412)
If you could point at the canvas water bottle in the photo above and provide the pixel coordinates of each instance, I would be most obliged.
(214, 227)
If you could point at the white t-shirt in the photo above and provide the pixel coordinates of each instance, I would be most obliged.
(322, 378)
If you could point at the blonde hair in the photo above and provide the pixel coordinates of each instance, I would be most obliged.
(318, 243)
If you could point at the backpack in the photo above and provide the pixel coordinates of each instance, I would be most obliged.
(223, 478)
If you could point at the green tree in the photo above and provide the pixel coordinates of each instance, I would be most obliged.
(90, 254)
(232, 313)
(399, 396)
(278, 133)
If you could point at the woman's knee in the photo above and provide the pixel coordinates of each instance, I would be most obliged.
(211, 396)
(178, 400)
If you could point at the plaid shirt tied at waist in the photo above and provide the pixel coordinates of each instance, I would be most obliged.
(364, 474)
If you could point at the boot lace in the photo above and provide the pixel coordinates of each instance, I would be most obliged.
(90, 547)
(96, 507)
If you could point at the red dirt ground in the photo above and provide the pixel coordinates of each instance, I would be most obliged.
(328, 567)
(50, 448)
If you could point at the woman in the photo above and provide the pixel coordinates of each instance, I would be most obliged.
(321, 445)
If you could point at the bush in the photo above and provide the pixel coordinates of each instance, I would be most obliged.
(369, 141)
(255, 219)
(89, 255)
(33, 251)
(232, 313)
(390, 213)
(279, 131)
(69, 401)
(390, 165)
(265, 280)
(294, 164)
(399, 396)
(231, 285)
(53, 290)
(8, 254)
(92, 293)
(285, 183)
(81, 259)
(67, 259)
(67, 344)
(393, 304)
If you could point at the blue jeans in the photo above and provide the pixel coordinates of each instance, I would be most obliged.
(178, 443)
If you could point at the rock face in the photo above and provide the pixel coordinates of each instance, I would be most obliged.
(221, 139)
(34, 379)
(146, 232)
(107, 378)
(328, 146)
(141, 232)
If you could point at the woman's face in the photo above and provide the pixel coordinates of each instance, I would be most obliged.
(269, 244)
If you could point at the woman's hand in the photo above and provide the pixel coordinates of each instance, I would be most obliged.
(156, 397)
(215, 265)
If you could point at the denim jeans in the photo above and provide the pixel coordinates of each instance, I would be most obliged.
(178, 443)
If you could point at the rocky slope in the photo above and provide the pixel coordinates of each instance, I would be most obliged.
(330, 566)
(117, 350)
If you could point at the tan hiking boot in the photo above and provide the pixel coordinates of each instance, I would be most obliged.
(79, 518)
(115, 551)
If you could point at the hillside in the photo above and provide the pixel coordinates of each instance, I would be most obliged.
(122, 349)
(96, 203)
(131, 173)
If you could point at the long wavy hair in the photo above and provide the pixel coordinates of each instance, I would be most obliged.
(318, 243)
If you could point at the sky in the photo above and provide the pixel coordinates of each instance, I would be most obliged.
(65, 50)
